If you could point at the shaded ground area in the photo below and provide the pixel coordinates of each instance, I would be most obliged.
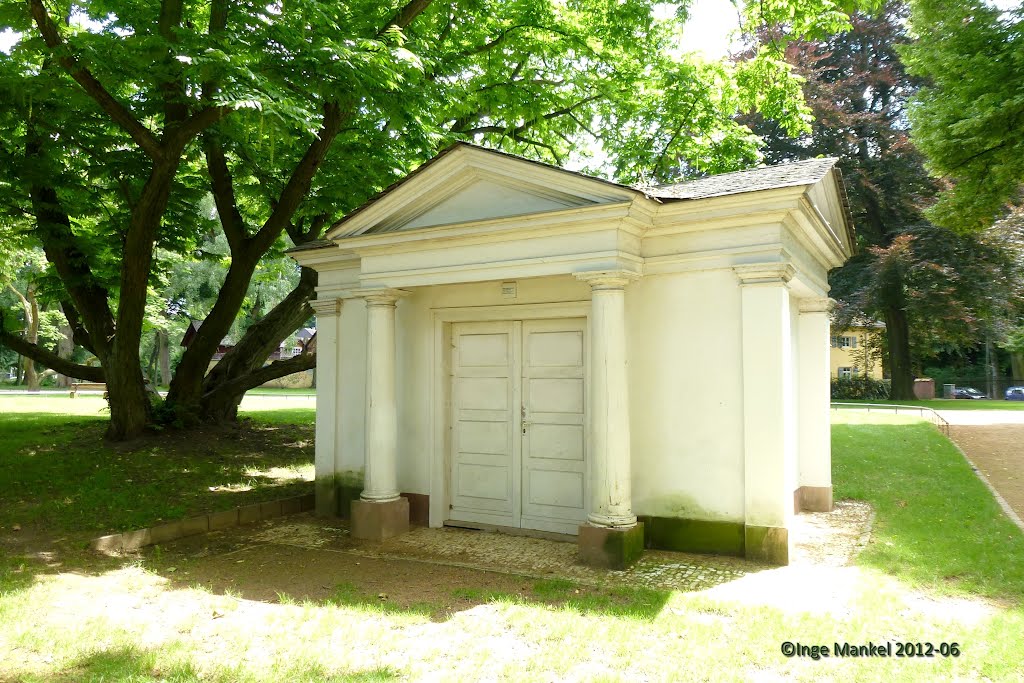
(308, 558)
(64, 485)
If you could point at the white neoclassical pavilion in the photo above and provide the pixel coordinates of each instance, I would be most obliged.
(505, 344)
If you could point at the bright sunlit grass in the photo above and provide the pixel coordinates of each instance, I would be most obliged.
(943, 565)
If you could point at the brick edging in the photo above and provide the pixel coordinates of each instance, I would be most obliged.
(246, 514)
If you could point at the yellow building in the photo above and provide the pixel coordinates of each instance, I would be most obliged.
(856, 351)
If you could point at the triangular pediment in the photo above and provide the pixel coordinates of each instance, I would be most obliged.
(484, 198)
(470, 184)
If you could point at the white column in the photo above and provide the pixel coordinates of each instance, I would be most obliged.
(380, 478)
(768, 395)
(327, 320)
(813, 395)
(611, 502)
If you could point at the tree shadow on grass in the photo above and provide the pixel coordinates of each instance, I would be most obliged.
(139, 665)
(636, 603)
(64, 478)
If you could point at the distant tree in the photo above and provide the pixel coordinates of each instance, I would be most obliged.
(932, 289)
(968, 118)
(857, 90)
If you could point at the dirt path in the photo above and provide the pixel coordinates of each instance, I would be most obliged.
(994, 441)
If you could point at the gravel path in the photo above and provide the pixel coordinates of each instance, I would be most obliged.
(994, 441)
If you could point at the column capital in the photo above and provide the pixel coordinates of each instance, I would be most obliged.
(815, 304)
(379, 296)
(326, 307)
(607, 279)
(765, 273)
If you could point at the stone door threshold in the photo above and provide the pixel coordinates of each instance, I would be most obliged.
(511, 531)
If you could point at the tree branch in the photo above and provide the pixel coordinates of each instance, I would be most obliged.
(279, 368)
(172, 90)
(513, 132)
(266, 335)
(118, 113)
(180, 135)
(224, 193)
(405, 16)
(48, 358)
(301, 178)
(79, 335)
(60, 245)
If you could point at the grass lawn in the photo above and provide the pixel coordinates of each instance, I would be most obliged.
(951, 404)
(943, 566)
(59, 478)
(263, 391)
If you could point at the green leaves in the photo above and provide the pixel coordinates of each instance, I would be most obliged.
(969, 118)
(309, 107)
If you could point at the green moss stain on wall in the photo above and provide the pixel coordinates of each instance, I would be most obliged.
(767, 544)
(694, 535)
(334, 494)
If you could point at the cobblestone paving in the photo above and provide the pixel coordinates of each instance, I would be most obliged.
(822, 539)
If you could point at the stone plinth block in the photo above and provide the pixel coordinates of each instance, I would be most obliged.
(610, 548)
(767, 544)
(377, 521)
(816, 498)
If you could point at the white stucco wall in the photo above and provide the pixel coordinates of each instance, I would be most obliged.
(686, 395)
(685, 373)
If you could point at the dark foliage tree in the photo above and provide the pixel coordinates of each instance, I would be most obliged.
(932, 289)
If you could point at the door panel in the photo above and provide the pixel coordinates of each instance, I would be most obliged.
(554, 397)
(518, 441)
(485, 466)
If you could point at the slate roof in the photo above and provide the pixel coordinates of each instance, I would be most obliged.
(766, 178)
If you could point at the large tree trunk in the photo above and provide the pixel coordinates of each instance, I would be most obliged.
(898, 336)
(30, 374)
(130, 409)
(129, 403)
(186, 388)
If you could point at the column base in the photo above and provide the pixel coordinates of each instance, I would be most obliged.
(766, 544)
(814, 498)
(377, 521)
(610, 548)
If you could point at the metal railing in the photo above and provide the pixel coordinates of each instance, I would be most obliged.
(895, 408)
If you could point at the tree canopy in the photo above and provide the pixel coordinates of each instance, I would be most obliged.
(968, 118)
(122, 119)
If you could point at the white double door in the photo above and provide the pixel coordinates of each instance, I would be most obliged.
(518, 449)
